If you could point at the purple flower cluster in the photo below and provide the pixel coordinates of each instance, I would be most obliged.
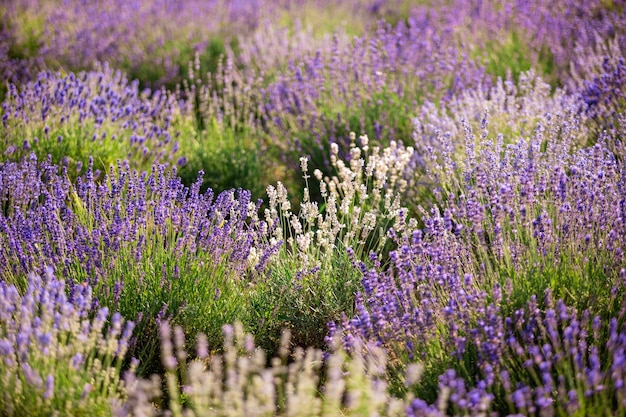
(576, 360)
(95, 110)
(536, 362)
(564, 25)
(353, 86)
(49, 221)
(604, 95)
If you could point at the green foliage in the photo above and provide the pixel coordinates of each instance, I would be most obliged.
(184, 57)
(613, 5)
(26, 31)
(506, 55)
(22, 41)
(302, 301)
(323, 20)
(200, 296)
(69, 144)
(229, 159)
(509, 55)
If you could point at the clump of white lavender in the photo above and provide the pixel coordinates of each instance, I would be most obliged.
(238, 383)
(360, 200)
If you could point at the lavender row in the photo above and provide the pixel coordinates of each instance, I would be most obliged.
(98, 114)
(59, 358)
(151, 248)
(153, 41)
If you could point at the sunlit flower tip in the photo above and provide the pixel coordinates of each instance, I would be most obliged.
(45, 339)
(202, 346)
(134, 363)
(304, 163)
(6, 347)
(31, 376)
(169, 362)
(413, 374)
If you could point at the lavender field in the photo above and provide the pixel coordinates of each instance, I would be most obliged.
(313, 208)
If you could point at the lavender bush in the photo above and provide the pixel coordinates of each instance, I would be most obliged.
(598, 79)
(311, 281)
(535, 201)
(151, 248)
(226, 140)
(57, 354)
(368, 86)
(97, 114)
